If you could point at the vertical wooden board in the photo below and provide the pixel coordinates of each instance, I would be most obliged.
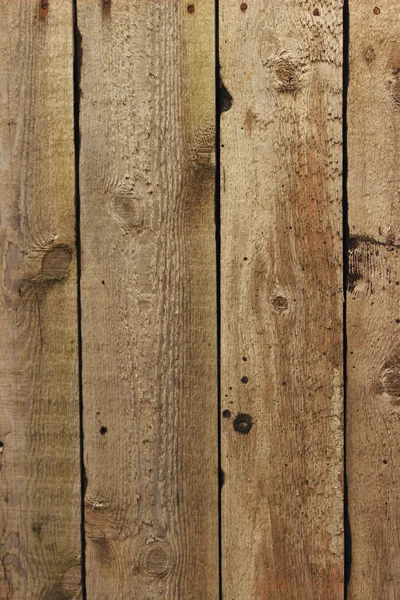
(281, 300)
(149, 299)
(39, 401)
(373, 311)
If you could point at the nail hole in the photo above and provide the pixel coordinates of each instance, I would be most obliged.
(227, 414)
(316, 12)
(243, 7)
(244, 379)
(377, 11)
(243, 423)
(190, 8)
(103, 430)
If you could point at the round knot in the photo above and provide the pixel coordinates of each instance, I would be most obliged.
(156, 559)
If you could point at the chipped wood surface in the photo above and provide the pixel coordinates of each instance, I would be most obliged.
(39, 404)
(373, 315)
(281, 300)
(148, 299)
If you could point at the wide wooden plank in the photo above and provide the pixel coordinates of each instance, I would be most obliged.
(281, 300)
(373, 311)
(39, 400)
(148, 298)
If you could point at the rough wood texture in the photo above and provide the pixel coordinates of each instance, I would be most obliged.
(281, 230)
(149, 299)
(373, 405)
(39, 404)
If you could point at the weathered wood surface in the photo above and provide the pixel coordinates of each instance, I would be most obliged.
(148, 299)
(39, 401)
(373, 315)
(281, 300)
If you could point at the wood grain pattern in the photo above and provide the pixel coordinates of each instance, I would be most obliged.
(373, 434)
(281, 300)
(149, 299)
(39, 404)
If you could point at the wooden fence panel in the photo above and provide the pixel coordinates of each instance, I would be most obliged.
(373, 315)
(281, 299)
(147, 174)
(39, 392)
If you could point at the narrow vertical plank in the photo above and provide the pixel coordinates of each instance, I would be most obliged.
(281, 299)
(39, 402)
(373, 311)
(149, 298)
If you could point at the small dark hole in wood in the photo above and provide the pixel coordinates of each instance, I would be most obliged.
(103, 430)
(226, 414)
(384, 461)
(243, 423)
(244, 379)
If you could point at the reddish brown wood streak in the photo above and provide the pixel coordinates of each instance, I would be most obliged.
(44, 7)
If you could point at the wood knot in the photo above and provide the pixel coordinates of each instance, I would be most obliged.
(287, 75)
(280, 304)
(369, 54)
(355, 274)
(243, 423)
(390, 380)
(156, 559)
(71, 580)
(56, 262)
(394, 86)
(127, 206)
(128, 213)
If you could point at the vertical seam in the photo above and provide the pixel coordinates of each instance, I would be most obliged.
(77, 63)
(345, 208)
(218, 280)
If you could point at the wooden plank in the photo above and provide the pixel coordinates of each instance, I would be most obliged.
(373, 405)
(149, 298)
(281, 300)
(39, 401)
